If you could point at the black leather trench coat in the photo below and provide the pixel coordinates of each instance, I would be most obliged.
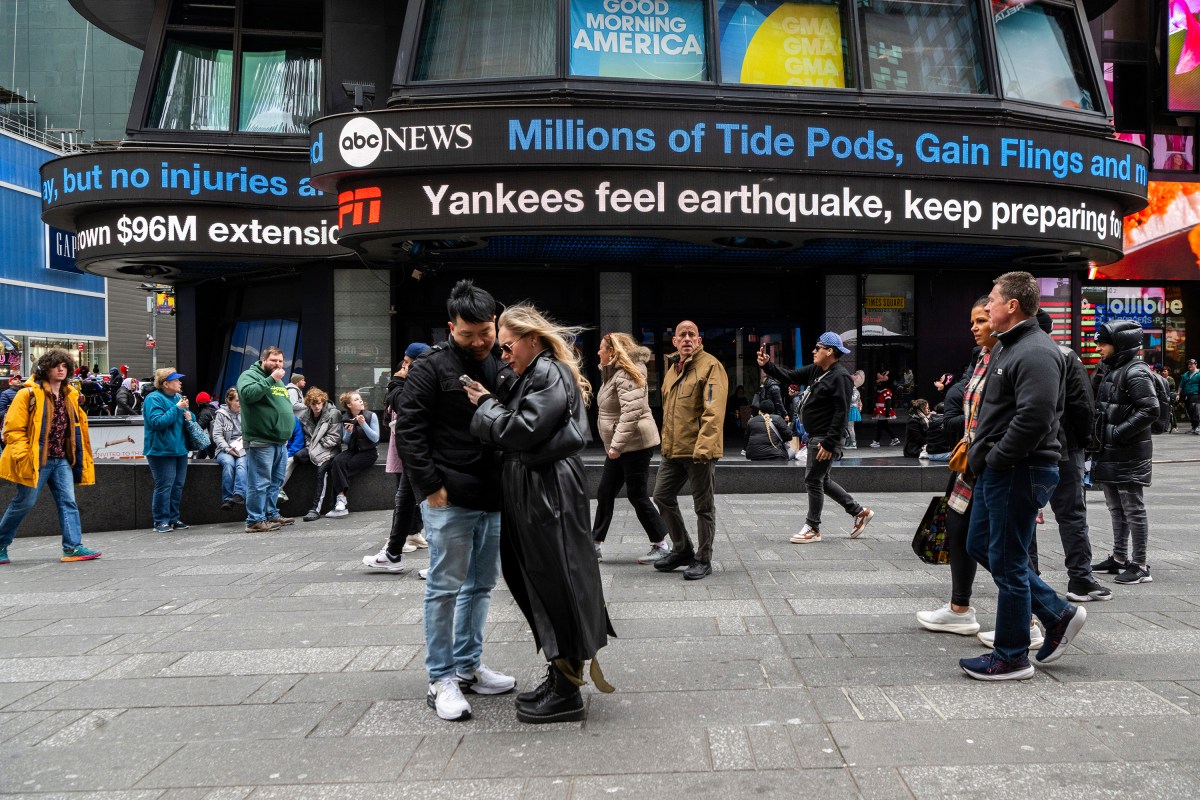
(546, 549)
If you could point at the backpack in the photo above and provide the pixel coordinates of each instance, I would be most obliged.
(1163, 423)
(32, 403)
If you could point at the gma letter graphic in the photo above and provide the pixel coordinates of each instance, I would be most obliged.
(783, 44)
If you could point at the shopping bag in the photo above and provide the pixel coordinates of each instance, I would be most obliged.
(929, 542)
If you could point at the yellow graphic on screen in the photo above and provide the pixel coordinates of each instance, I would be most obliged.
(797, 45)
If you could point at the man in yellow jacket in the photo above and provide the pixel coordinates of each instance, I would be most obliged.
(694, 389)
(46, 442)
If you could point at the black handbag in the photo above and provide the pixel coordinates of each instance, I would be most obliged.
(929, 542)
(568, 438)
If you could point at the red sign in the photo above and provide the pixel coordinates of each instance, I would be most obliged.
(151, 343)
(82, 346)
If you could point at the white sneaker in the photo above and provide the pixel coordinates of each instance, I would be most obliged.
(447, 699)
(339, 508)
(1036, 640)
(380, 562)
(484, 680)
(423, 574)
(419, 540)
(946, 620)
(656, 552)
(408, 547)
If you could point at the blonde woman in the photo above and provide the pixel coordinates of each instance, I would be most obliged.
(163, 414)
(546, 550)
(629, 435)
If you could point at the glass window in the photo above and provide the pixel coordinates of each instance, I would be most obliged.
(281, 89)
(923, 47)
(640, 39)
(249, 339)
(463, 40)
(1042, 57)
(888, 305)
(783, 44)
(192, 91)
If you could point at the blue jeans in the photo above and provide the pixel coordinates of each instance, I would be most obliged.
(265, 470)
(169, 473)
(1004, 507)
(464, 563)
(59, 475)
(233, 476)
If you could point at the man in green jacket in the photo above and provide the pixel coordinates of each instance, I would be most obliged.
(267, 422)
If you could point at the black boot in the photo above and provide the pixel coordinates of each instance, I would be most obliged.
(538, 692)
(562, 703)
(676, 559)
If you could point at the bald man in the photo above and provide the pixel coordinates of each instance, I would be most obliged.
(693, 392)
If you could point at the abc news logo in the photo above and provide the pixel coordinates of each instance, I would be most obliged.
(361, 140)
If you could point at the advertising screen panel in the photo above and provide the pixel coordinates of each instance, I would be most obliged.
(782, 44)
(1183, 56)
(661, 40)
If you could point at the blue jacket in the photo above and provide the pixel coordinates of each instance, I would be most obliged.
(163, 421)
(296, 443)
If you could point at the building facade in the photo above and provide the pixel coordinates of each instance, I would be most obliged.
(768, 169)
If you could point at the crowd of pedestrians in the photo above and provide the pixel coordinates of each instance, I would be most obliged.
(484, 434)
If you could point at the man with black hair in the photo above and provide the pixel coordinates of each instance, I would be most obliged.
(1014, 458)
(1189, 394)
(459, 477)
(823, 410)
(1067, 501)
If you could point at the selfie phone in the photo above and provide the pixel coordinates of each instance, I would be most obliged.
(466, 380)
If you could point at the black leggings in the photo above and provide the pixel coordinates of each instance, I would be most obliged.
(406, 516)
(883, 431)
(632, 469)
(962, 566)
(346, 465)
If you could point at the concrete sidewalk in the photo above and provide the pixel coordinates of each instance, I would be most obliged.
(222, 666)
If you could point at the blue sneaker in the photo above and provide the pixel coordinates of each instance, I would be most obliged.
(79, 553)
(989, 667)
(163, 528)
(179, 526)
(3, 555)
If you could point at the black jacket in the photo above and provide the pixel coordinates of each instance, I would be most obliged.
(433, 434)
(916, 434)
(1127, 405)
(827, 404)
(1022, 401)
(772, 393)
(1079, 408)
(767, 445)
(546, 550)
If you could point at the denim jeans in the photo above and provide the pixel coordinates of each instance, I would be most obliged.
(632, 469)
(265, 468)
(1070, 512)
(819, 484)
(59, 475)
(1004, 508)
(233, 476)
(169, 473)
(672, 473)
(464, 564)
(1128, 512)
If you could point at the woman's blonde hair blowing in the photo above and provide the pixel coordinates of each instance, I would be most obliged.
(622, 345)
(524, 319)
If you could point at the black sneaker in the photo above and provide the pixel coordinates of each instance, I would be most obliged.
(675, 559)
(989, 667)
(1060, 634)
(1084, 591)
(227, 505)
(237, 498)
(180, 526)
(1135, 573)
(697, 570)
(1110, 565)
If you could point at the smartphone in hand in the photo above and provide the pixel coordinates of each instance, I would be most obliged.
(466, 380)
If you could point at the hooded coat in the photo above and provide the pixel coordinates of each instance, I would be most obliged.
(546, 546)
(1127, 405)
(27, 429)
(624, 419)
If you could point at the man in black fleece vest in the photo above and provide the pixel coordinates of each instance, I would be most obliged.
(1014, 458)
(823, 410)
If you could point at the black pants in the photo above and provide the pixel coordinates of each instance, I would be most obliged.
(1192, 403)
(406, 517)
(883, 431)
(1070, 511)
(346, 465)
(633, 470)
(819, 484)
(962, 566)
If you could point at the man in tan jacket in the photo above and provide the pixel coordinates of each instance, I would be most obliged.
(694, 389)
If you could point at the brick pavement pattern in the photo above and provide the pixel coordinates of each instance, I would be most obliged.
(215, 665)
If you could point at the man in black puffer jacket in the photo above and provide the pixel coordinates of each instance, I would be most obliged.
(1127, 400)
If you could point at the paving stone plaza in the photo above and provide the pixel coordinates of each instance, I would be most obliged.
(215, 665)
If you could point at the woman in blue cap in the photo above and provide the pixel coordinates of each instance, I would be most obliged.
(166, 451)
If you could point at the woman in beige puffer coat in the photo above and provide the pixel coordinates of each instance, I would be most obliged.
(629, 435)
